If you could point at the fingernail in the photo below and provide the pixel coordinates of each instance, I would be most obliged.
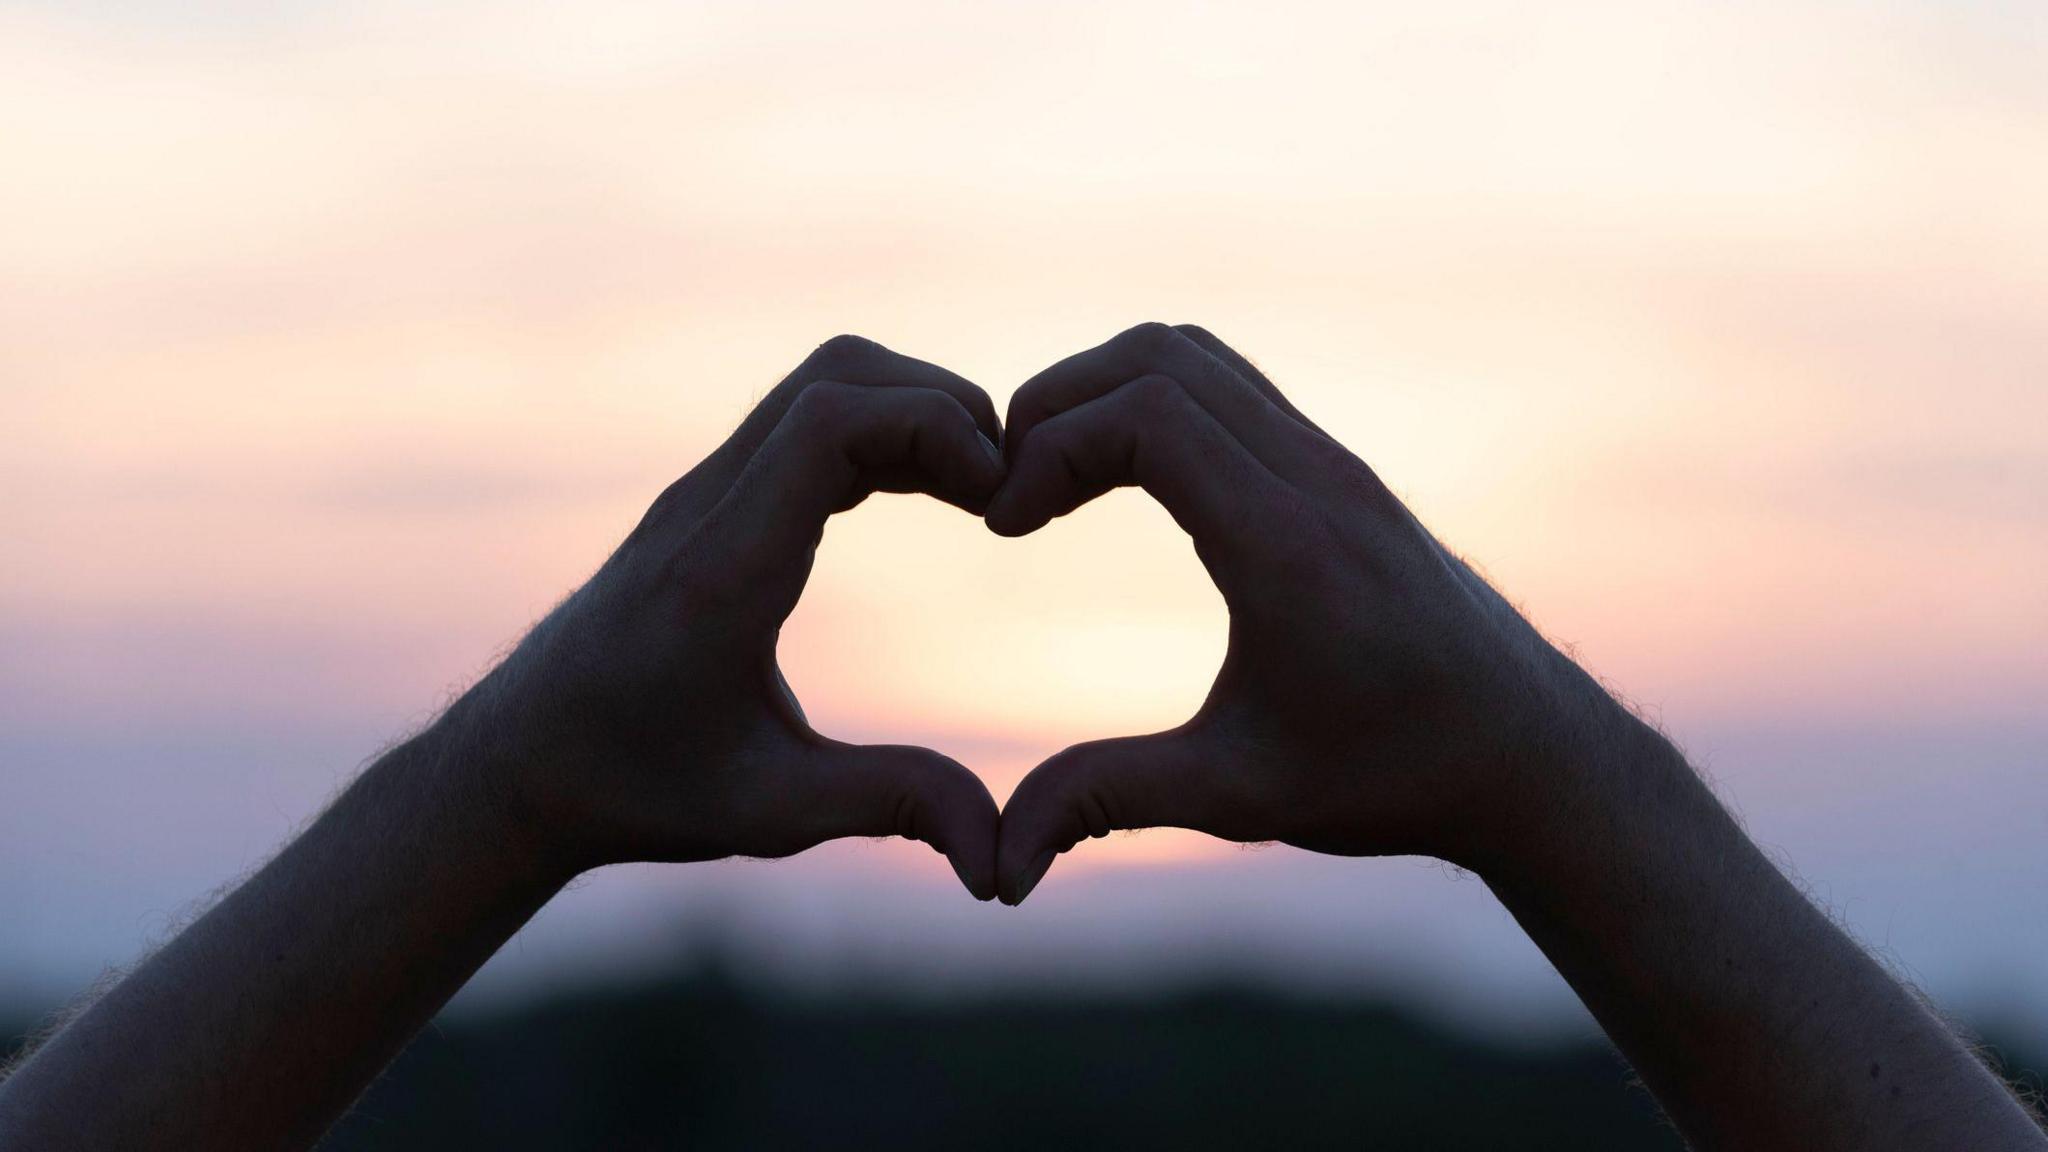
(1034, 874)
(995, 454)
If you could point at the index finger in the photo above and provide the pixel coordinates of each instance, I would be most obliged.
(851, 360)
(1275, 438)
(1147, 433)
(836, 445)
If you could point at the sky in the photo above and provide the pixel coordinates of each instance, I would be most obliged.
(338, 343)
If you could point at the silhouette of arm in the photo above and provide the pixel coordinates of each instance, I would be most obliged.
(1379, 698)
(643, 719)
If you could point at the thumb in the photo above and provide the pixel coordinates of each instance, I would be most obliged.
(1163, 780)
(915, 793)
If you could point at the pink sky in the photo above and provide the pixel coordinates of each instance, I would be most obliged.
(334, 346)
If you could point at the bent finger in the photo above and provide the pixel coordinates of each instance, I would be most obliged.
(1239, 407)
(1147, 433)
(847, 360)
(835, 445)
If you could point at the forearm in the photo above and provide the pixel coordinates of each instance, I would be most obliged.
(1754, 1019)
(257, 1025)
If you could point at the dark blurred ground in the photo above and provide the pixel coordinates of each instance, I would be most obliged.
(708, 1062)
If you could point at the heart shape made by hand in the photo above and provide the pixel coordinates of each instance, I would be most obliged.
(1372, 681)
(920, 626)
(1372, 695)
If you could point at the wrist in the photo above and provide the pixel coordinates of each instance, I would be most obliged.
(475, 770)
(1583, 772)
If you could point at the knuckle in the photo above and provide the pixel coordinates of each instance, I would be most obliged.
(667, 507)
(821, 404)
(975, 400)
(1152, 336)
(844, 348)
(1027, 408)
(925, 413)
(1156, 396)
(933, 404)
(1048, 438)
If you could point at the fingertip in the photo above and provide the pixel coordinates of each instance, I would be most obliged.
(981, 888)
(967, 470)
(983, 410)
(973, 858)
(1003, 520)
(970, 828)
(1004, 516)
(1021, 885)
(1028, 834)
(991, 473)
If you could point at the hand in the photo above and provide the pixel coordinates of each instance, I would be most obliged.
(646, 719)
(1377, 696)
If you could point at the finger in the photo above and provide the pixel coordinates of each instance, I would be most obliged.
(1148, 433)
(849, 360)
(1272, 436)
(915, 793)
(1159, 781)
(1233, 360)
(858, 360)
(836, 444)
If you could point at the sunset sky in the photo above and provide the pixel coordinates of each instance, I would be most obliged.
(337, 343)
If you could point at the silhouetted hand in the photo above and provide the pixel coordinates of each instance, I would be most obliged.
(1377, 696)
(645, 718)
